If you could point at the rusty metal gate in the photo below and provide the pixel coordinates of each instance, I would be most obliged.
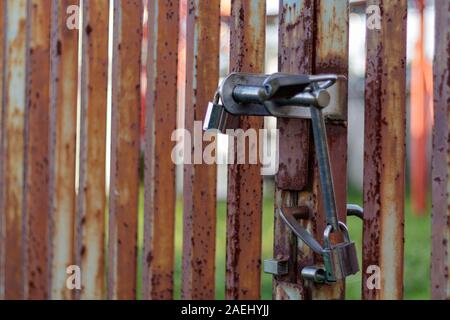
(63, 62)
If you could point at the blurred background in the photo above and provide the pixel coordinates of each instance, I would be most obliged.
(420, 46)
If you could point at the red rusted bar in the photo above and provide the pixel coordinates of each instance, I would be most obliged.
(247, 44)
(63, 128)
(37, 150)
(440, 258)
(296, 40)
(125, 149)
(90, 244)
(2, 223)
(384, 154)
(202, 73)
(161, 122)
(13, 148)
(313, 39)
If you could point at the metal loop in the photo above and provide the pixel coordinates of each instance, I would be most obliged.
(301, 232)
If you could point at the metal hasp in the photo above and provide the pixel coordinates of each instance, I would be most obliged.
(288, 96)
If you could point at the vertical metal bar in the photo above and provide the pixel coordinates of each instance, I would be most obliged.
(202, 72)
(63, 127)
(37, 149)
(13, 151)
(296, 40)
(125, 149)
(384, 167)
(331, 56)
(440, 262)
(90, 244)
(161, 122)
(324, 167)
(247, 44)
(2, 90)
(313, 39)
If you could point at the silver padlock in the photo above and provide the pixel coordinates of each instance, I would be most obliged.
(217, 118)
(340, 260)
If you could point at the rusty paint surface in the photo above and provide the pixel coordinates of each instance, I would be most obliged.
(161, 117)
(13, 148)
(296, 56)
(384, 154)
(243, 272)
(90, 250)
(313, 39)
(202, 73)
(37, 149)
(440, 262)
(63, 126)
(2, 223)
(125, 149)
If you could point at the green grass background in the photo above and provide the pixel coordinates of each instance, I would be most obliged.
(417, 250)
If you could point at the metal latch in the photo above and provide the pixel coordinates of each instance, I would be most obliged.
(278, 95)
(292, 96)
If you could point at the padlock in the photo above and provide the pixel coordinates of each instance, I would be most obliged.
(218, 118)
(340, 260)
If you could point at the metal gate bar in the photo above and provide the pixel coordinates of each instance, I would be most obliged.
(202, 73)
(36, 196)
(440, 258)
(384, 151)
(13, 148)
(91, 202)
(2, 159)
(63, 130)
(296, 40)
(331, 56)
(161, 116)
(125, 149)
(244, 216)
(313, 39)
